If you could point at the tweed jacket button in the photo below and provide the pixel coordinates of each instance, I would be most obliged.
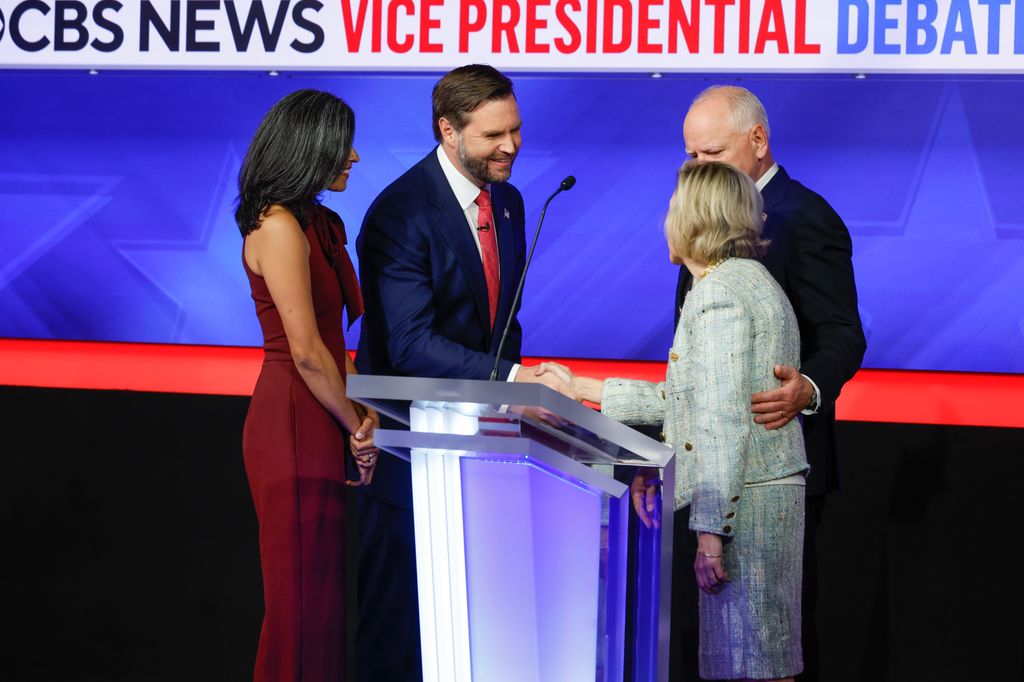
(688, 446)
(662, 394)
(673, 356)
(662, 436)
(730, 515)
(727, 529)
(736, 499)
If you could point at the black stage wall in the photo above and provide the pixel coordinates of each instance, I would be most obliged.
(129, 545)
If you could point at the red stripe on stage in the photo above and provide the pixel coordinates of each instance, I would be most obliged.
(879, 395)
(160, 368)
(873, 395)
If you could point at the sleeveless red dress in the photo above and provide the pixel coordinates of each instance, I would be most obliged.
(295, 454)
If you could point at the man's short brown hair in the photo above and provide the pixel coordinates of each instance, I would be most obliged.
(461, 91)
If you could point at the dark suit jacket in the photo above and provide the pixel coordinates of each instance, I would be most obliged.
(811, 257)
(425, 292)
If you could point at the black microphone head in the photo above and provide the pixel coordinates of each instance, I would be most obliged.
(568, 182)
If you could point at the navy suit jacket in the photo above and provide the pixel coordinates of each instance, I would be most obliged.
(810, 255)
(426, 295)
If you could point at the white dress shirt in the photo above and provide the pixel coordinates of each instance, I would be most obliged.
(763, 181)
(466, 193)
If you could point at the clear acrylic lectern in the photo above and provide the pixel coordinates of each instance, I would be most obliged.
(521, 544)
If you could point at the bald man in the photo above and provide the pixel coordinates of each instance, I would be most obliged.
(811, 257)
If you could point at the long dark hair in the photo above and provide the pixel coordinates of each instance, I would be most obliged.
(300, 148)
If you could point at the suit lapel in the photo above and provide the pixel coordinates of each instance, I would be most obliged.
(774, 193)
(506, 254)
(450, 221)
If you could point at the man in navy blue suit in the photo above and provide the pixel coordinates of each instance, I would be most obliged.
(440, 251)
(810, 255)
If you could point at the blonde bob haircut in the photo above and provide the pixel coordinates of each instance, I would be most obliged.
(715, 213)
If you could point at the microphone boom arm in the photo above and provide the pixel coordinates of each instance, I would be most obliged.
(566, 184)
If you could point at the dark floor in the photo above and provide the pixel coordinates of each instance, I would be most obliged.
(129, 545)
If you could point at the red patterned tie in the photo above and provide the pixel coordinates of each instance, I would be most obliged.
(488, 250)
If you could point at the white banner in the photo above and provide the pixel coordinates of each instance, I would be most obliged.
(855, 36)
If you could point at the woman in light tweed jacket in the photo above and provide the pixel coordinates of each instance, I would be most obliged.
(744, 484)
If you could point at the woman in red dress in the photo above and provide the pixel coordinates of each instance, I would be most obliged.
(300, 424)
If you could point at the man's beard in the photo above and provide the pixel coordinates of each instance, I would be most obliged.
(477, 165)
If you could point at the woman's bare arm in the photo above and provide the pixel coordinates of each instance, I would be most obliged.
(279, 252)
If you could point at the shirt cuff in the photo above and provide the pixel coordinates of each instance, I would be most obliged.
(817, 397)
(515, 370)
(511, 377)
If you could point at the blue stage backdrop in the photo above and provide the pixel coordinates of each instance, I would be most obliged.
(117, 191)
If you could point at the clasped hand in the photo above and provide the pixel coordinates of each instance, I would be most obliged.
(555, 376)
(361, 443)
(562, 379)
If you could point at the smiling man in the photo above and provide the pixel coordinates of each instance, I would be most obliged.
(441, 251)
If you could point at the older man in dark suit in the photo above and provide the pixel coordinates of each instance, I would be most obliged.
(440, 251)
(810, 256)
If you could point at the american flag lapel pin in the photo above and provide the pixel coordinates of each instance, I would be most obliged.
(506, 214)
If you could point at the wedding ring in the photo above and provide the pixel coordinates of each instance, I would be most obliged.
(782, 415)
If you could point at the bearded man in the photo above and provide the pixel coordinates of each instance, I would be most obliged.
(440, 252)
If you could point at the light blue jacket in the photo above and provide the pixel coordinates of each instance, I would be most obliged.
(736, 325)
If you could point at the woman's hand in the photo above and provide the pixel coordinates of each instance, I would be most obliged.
(553, 375)
(363, 449)
(580, 388)
(709, 564)
(644, 493)
(577, 388)
(588, 388)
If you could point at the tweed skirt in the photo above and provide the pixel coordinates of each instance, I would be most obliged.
(751, 627)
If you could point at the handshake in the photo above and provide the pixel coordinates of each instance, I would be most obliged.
(560, 378)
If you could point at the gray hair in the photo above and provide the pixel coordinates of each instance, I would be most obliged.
(747, 110)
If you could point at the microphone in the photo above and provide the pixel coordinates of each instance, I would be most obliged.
(565, 185)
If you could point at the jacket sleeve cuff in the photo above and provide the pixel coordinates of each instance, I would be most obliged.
(717, 529)
(816, 402)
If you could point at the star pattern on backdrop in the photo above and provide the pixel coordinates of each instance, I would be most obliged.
(203, 277)
(941, 252)
(39, 213)
(44, 209)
